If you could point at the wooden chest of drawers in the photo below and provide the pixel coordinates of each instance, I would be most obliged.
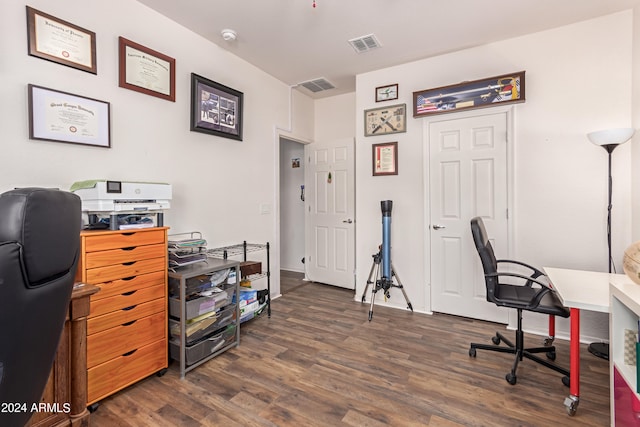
(127, 323)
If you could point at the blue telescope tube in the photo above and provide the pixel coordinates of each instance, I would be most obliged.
(386, 206)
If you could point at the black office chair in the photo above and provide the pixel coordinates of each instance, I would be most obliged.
(39, 245)
(522, 292)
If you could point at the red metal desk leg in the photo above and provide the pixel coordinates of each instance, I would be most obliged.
(572, 401)
(575, 353)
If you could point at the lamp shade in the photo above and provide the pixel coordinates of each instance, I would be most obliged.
(611, 136)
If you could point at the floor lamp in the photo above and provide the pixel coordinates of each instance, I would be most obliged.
(608, 139)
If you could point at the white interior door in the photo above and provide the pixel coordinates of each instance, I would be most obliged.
(330, 206)
(468, 178)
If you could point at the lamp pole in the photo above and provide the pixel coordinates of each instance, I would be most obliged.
(609, 148)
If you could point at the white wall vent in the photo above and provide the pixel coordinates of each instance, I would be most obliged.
(365, 43)
(317, 85)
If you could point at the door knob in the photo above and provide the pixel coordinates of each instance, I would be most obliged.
(348, 221)
(438, 226)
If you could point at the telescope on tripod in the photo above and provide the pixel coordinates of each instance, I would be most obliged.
(383, 257)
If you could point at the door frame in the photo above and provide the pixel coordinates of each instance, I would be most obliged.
(426, 170)
(280, 134)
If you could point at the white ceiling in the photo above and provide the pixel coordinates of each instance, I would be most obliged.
(295, 42)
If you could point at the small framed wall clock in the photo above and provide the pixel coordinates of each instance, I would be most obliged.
(385, 120)
(387, 93)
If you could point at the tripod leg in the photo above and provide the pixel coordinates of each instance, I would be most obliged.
(373, 266)
(393, 272)
(374, 289)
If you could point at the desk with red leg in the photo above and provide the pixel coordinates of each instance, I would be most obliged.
(579, 290)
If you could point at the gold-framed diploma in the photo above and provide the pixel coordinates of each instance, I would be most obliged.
(59, 41)
(146, 70)
(65, 117)
(385, 159)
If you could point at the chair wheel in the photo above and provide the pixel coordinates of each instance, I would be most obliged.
(551, 355)
(511, 379)
(566, 381)
(472, 352)
(495, 339)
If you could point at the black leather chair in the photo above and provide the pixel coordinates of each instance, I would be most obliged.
(522, 292)
(39, 245)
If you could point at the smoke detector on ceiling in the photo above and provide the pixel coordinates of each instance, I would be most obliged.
(317, 85)
(365, 43)
(228, 35)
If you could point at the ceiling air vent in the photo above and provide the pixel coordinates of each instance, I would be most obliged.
(317, 85)
(364, 43)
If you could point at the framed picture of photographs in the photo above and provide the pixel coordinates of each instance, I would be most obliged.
(215, 109)
(385, 120)
(146, 71)
(60, 41)
(385, 158)
(489, 92)
(65, 117)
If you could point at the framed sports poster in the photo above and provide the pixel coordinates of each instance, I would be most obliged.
(489, 92)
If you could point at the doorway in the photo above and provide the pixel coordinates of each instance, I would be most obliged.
(292, 201)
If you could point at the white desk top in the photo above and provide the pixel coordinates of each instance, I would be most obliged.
(627, 292)
(585, 290)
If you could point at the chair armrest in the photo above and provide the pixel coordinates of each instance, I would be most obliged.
(536, 272)
(529, 279)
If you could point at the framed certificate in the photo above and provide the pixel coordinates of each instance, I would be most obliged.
(64, 117)
(385, 159)
(59, 41)
(147, 71)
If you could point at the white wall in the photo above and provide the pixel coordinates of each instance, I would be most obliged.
(635, 149)
(291, 206)
(218, 184)
(335, 118)
(578, 79)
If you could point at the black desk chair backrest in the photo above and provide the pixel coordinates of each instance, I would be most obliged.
(530, 292)
(487, 257)
(39, 246)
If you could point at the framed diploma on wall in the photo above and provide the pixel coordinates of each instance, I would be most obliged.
(147, 71)
(64, 117)
(385, 159)
(59, 41)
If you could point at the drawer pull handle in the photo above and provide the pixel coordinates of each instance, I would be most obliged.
(128, 294)
(128, 278)
(130, 323)
(131, 233)
(130, 248)
(130, 307)
(129, 353)
(129, 263)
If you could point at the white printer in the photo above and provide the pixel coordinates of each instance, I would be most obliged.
(122, 199)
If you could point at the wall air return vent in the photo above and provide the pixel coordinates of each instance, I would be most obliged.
(317, 85)
(365, 43)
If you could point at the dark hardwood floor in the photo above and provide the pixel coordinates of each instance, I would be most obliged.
(318, 361)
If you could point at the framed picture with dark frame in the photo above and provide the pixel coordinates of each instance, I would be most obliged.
(64, 117)
(146, 71)
(215, 109)
(60, 41)
(387, 93)
(489, 92)
(385, 158)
